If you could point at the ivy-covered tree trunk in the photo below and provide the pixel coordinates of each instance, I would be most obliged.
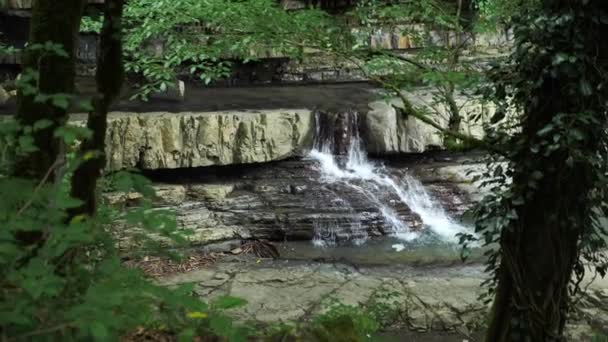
(57, 22)
(559, 81)
(109, 76)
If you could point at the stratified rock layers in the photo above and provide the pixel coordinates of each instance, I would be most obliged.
(162, 140)
(184, 140)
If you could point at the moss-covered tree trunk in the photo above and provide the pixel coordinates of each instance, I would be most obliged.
(58, 22)
(109, 77)
(555, 154)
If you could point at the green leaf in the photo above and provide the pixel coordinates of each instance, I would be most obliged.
(220, 325)
(61, 101)
(99, 332)
(228, 302)
(560, 58)
(26, 143)
(186, 335)
(42, 124)
(545, 130)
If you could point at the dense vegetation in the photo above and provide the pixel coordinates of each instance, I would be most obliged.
(61, 273)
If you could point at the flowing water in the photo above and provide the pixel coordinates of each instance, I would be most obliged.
(376, 183)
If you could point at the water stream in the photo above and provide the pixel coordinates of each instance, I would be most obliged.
(353, 169)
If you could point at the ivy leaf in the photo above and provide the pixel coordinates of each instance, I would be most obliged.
(60, 101)
(42, 124)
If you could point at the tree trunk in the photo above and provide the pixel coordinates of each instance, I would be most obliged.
(109, 76)
(454, 117)
(540, 249)
(56, 21)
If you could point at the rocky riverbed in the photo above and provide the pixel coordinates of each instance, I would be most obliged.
(423, 299)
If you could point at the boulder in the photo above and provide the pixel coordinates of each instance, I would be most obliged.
(387, 131)
(183, 140)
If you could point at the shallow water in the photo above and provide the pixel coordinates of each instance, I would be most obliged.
(380, 251)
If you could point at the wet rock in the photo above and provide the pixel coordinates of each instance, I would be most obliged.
(291, 201)
(170, 194)
(336, 130)
(297, 189)
(210, 192)
(166, 194)
(465, 176)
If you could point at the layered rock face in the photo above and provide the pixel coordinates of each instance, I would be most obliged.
(185, 140)
(387, 131)
(165, 140)
(287, 200)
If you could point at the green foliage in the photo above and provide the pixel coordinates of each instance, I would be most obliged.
(367, 319)
(364, 322)
(164, 39)
(598, 337)
(444, 62)
(91, 24)
(61, 277)
(71, 284)
(502, 11)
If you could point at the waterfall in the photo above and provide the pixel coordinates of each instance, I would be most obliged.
(340, 154)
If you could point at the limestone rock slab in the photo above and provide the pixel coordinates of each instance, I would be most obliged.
(386, 131)
(180, 140)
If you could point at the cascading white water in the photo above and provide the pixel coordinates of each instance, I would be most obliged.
(373, 180)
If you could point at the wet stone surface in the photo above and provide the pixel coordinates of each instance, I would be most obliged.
(289, 200)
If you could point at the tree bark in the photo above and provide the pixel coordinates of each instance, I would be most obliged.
(109, 77)
(540, 249)
(56, 21)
